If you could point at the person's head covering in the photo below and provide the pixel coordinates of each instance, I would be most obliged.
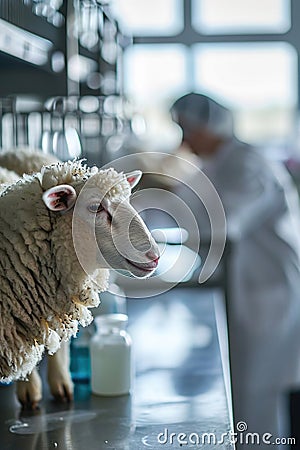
(196, 110)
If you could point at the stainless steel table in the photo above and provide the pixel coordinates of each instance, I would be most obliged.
(181, 396)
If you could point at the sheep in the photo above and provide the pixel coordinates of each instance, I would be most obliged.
(45, 292)
(13, 164)
(24, 160)
(7, 176)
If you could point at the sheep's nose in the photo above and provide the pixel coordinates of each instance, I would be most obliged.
(153, 256)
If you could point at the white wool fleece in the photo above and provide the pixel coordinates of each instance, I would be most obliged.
(44, 292)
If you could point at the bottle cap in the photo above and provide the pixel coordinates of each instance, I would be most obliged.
(110, 320)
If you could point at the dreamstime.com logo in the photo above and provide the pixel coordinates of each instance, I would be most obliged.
(167, 200)
(240, 436)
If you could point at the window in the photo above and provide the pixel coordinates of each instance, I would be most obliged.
(241, 16)
(154, 73)
(149, 18)
(237, 53)
(257, 80)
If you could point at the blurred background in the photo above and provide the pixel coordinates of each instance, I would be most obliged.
(111, 69)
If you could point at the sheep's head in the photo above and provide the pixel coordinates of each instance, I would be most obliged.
(107, 230)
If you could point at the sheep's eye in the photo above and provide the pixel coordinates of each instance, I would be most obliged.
(95, 207)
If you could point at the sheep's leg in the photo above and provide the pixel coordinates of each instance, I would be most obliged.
(59, 377)
(29, 392)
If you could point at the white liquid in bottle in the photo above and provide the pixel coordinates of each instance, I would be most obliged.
(111, 368)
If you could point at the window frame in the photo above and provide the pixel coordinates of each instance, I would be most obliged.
(190, 36)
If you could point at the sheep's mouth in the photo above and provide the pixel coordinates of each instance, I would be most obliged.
(144, 267)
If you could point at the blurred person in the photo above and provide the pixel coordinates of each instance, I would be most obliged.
(263, 218)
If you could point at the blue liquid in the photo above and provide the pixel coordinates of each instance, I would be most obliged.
(80, 363)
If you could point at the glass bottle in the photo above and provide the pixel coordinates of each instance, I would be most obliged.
(80, 357)
(110, 349)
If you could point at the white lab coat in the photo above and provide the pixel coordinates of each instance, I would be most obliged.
(262, 212)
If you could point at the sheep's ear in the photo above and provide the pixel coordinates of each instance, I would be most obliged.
(60, 198)
(133, 177)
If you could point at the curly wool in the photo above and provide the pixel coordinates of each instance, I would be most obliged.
(108, 181)
(44, 292)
